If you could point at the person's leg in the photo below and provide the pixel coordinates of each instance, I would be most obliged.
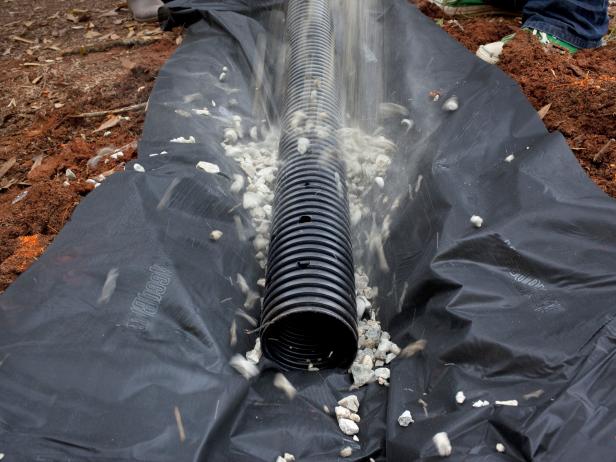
(582, 23)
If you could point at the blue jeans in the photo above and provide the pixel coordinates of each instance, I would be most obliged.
(578, 22)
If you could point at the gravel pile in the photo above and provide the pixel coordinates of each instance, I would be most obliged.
(257, 158)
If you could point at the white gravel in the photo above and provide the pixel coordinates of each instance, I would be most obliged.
(282, 383)
(350, 402)
(215, 235)
(208, 167)
(405, 419)
(442, 444)
(348, 427)
(476, 221)
(182, 140)
(481, 403)
(451, 104)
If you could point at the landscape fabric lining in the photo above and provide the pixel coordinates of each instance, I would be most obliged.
(518, 309)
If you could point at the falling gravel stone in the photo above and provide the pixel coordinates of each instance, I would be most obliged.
(222, 77)
(380, 182)
(215, 235)
(413, 348)
(355, 438)
(346, 452)
(302, 145)
(451, 104)
(66, 183)
(208, 167)
(233, 334)
(70, 174)
(509, 158)
(405, 419)
(238, 183)
(288, 457)
(392, 109)
(138, 168)
(460, 397)
(348, 427)
(407, 123)
(254, 133)
(362, 305)
(246, 368)
(282, 383)
(442, 444)
(205, 111)
(109, 286)
(509, 402)
(476, 221)
(500, 447)
(350, 402)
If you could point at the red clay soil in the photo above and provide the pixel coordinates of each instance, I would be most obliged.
(580, 89)
(45, 85)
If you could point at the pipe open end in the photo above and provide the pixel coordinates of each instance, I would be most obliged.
(309, 339)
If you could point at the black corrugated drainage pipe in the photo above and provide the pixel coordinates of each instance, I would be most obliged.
(309, 316)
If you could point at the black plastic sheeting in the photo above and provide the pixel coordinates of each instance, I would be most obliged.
(523, 304)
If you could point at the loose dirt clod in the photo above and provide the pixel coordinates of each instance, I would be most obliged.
(460, 397)
(346, 452)
(481, 403)
(500, 447)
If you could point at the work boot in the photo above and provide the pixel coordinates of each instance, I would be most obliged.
(145, 10)
(468, 7)
(490, 52)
